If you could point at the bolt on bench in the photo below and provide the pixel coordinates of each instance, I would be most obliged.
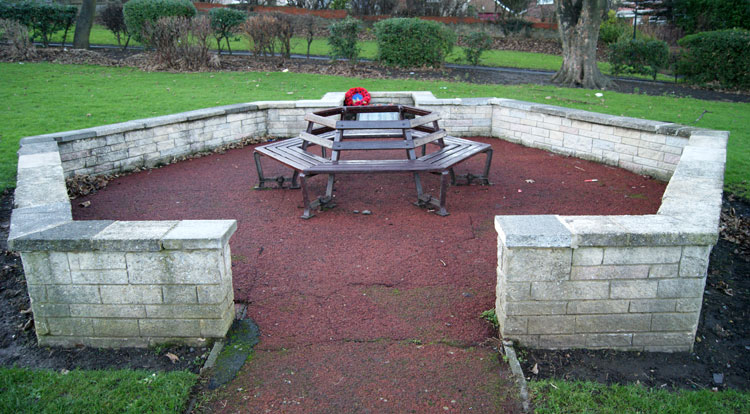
(409, 129)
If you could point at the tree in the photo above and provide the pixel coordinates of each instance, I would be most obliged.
(578, 22)
(83, 24)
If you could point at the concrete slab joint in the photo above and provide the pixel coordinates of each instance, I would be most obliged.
(625, 282)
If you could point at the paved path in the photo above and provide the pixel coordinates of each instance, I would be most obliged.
(378, 313)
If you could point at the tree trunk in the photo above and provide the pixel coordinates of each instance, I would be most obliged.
(578, 22)
(83, 24)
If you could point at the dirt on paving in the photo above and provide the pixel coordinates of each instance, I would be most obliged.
(374, 298)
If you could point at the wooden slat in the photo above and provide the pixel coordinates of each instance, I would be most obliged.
(331, 123)
(374, 166)
(316, 140)
(426, 119)
(426, 139)
(400, 124)
(371, 145)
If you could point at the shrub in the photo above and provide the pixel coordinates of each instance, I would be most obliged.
(707, 15)
(413, 42)
(512, 25)
(112, 18)
(476, 44)
(644, 57)
(283, 32)
(343, 39)
(224, 23)
(307, 23)
(721, 57)
(138, 12)
(44, 19)
(612, 28)
(257, 30)
(180, 42)
(17, 35)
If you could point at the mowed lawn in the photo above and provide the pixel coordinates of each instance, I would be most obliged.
(43, 97)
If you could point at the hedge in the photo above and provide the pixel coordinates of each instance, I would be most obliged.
(413, 42)
(721, 57)
(645, 57)
(138, 12)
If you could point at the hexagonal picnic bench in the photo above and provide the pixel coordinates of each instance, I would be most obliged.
(396, 127)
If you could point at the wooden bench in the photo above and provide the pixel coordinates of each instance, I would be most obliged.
(344, 135)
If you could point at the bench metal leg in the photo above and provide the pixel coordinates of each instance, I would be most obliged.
(278, 180)
(469, 177)
(486, 178)
(443, 193)
(305, 198)
(329, 186)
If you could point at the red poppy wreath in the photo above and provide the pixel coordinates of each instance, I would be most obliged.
(357, 97)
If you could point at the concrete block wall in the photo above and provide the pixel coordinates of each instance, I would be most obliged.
(608, 281)
(622, 282)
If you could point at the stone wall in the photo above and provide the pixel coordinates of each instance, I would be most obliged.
(629, 282)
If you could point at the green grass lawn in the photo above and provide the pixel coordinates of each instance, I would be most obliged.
(560, 397)
(122, 391)
(42, 97)
(369, 50)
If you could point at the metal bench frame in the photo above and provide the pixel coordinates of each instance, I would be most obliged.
(412, 127)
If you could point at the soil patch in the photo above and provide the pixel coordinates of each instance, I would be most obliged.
(371, 70)
(721, 357)
(18, 346)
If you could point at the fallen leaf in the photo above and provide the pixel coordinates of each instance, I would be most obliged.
(25, 311)
(535, 369)
(85, 204)
(530, 181)
(172, 357)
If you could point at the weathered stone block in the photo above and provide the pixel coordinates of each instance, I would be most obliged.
(73, 294)
(532, 231)
(130, 295)
(642, 255)
(535, 308)
(694, 262)
(171, 327)
(598, 306)
(569, 290)
(675, 322)
(652, 305)
(116, 327)
(532, 264)
(633, 289)
(70, 327)
(94, 277)
(562, 341)
(175, 267)
(217, 328)
(588, 256)
(199, 234)
(609, 272)
(612, 323)
(609, 340)
(50, 309)
(185, 311)
(179, 294)
(46, 267)
(663, 339)
(681, 288)
(213, 293)
(513, 325)
(551, 324)
(663, 271)
(108, 311)
(689, 305)
(132, 236)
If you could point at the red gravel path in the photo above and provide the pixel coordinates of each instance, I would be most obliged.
(337, 296)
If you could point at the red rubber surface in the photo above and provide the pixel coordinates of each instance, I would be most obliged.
(399, 275)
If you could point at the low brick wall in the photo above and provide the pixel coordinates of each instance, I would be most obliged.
(629, 282)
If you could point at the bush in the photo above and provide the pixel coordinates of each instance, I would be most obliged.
(256, 29)
(17, 35)
(283, 32)
(112, 18)
(44, 19)
(343, 39)
(413, 42)
(644, 57)
(721, 57)
(180, 42)
(476, 44)
(706, 15)
(224, 23)
(512, 25)
(138, 12)
(612, 28)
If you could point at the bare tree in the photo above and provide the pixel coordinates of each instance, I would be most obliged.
(578, 22)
